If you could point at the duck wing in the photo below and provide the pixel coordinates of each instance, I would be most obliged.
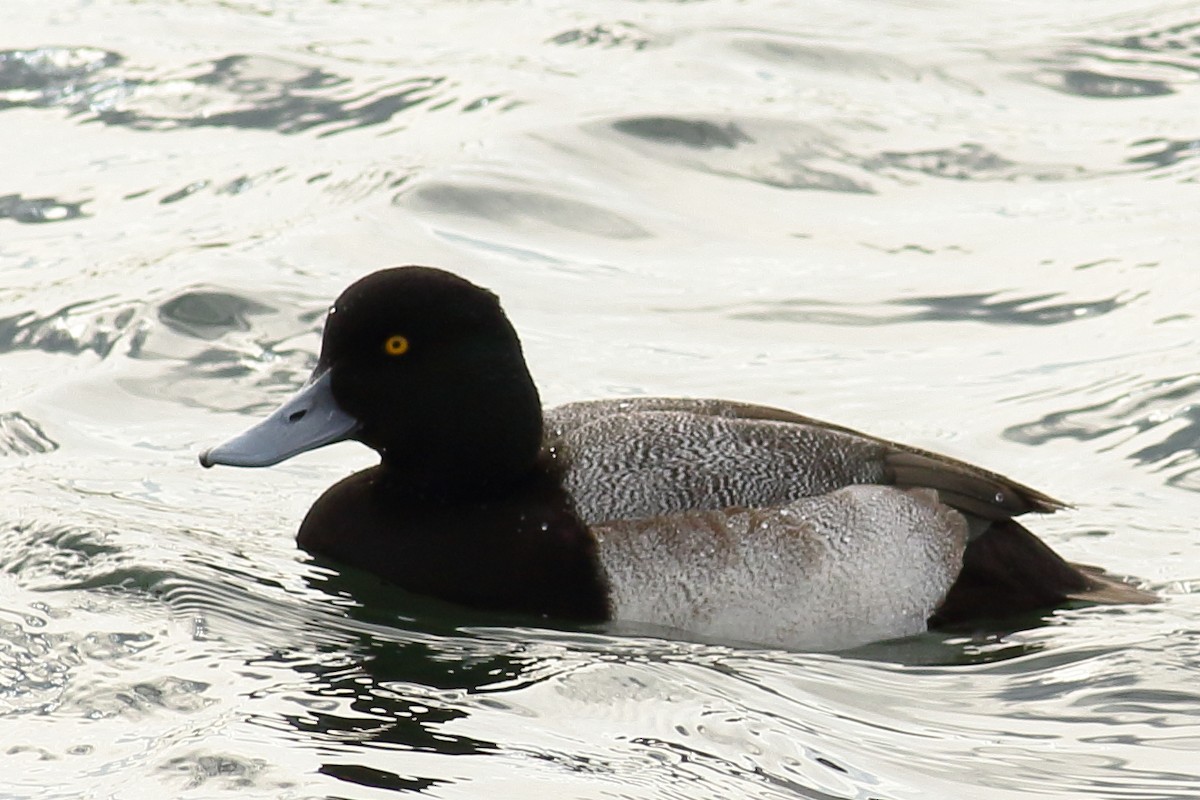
(645, 457)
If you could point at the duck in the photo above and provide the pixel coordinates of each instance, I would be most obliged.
(719, 519)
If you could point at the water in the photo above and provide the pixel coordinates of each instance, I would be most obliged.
(973, 228)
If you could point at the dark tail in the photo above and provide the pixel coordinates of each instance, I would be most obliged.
(1007, 571)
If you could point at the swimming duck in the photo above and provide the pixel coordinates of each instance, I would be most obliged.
(725, 519)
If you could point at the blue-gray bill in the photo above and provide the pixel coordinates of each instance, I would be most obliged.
(309, 419)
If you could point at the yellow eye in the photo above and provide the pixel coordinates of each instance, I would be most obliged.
(396, 345)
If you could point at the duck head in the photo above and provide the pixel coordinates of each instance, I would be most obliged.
(422, 366)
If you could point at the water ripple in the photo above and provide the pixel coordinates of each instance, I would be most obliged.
(779, 154)
(967, 161)
(696, 134)
(803, 54)
(159, 632)
(214, 771)
(514, 207)
(991, 308)
(44, 77)
(46, 554)
(21, 436)
(1149, 64)
(1161, 416)
(209, 314)
(247, 91)
(795, 156)
(33, 210)
(1164, 154)
(258, 92)
(605, 35)
(89, 325)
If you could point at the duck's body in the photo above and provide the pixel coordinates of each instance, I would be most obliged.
(724, 519)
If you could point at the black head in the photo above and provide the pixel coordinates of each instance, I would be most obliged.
(431, 368)
(423, 366)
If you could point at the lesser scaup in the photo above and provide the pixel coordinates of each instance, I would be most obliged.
(726, 519)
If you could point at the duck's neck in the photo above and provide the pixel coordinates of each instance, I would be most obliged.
(471, 444)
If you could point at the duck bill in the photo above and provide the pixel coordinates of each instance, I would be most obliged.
(311, 418)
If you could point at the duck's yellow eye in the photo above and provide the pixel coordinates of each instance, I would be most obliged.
(396, 345)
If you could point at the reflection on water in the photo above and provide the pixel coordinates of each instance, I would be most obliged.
(81, 327)
(796, 157)
(985, 308)
(511, 206)
(967, 161)
(972, 229)
(1165, 153)
(254, 91)
(38, 209)
(615, 34)
(696, 134)
(21, 436)
(272, 94)
(1165, 412)
(1142, 64)
(208, 314)
(54, 76)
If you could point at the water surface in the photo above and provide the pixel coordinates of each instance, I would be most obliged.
(970, 228)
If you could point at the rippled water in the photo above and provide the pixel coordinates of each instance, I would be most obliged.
(970, 227)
